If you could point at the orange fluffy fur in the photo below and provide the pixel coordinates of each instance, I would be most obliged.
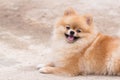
(92, 53)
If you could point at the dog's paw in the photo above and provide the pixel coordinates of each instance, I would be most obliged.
(40, 66)
(46, 70)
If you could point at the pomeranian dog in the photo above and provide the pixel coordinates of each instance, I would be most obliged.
(78, 48)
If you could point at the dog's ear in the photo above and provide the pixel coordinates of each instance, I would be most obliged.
(89, 19)
(69, 11)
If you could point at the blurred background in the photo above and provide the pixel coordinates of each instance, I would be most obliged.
(25, 31)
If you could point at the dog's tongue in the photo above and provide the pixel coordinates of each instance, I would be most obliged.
(70, 38)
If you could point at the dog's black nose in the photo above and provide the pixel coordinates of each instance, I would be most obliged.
(72, 32)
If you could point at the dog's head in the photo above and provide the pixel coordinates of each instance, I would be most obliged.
(73, 27)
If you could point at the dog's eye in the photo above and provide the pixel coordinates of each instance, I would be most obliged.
(78, 30)
(67, 27)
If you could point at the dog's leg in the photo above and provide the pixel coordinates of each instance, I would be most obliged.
(45, 65)
(59, 71)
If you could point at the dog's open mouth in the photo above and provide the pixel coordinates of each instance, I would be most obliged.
(71, 38)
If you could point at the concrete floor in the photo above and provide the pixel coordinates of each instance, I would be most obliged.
(25, 31)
